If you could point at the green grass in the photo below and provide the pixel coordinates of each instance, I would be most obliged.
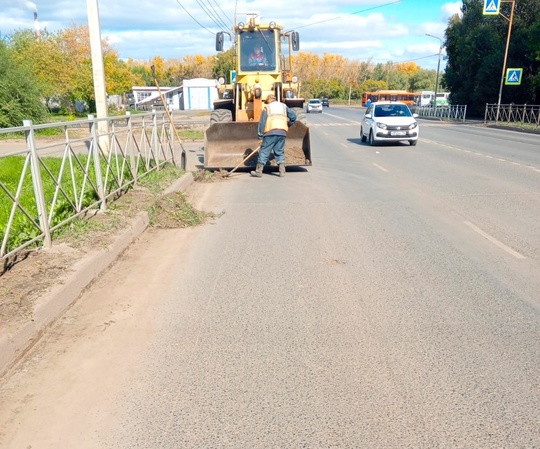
(23, 230)
(191, 134)
(81, 231)
(11, 176)
(157, 181)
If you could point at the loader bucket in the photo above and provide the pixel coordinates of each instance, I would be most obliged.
(228, 143)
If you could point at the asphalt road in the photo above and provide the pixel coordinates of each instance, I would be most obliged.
(387, 297)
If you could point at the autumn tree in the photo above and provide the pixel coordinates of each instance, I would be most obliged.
(407, 68)
(19, 92)
(62, 65)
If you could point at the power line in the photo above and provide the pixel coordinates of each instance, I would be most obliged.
(200, 24)
(351, 13)
(210, 15)
(223, 12)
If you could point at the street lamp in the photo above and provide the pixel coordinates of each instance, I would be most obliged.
(438, 67)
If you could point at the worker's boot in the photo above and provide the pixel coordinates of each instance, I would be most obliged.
(258, 171)
(282, 169)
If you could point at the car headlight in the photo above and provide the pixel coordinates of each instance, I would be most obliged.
(413, 125)
(381, 125)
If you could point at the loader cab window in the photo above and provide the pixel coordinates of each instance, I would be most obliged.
(258, 51)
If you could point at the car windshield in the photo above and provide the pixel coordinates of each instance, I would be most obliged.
(314, 101)
(392, 110)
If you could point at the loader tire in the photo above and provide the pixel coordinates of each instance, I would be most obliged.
(300, 115)
(220, 116)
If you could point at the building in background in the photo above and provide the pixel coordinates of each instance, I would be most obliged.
(195, 94)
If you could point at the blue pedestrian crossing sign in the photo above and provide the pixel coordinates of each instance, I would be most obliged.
(513, 77)
(492, 7)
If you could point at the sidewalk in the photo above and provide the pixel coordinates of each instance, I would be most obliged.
(16, 339)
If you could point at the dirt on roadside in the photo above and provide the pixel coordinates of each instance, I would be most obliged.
(30, 274)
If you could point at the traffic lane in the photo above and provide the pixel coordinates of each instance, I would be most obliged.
(322, 308)
(511, 145)
(498, 193)
(336, 314)
(488, 208)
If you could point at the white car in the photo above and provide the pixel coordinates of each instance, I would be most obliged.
(314, 105)
(389, 121)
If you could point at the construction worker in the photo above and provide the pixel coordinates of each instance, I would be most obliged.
(275, 120)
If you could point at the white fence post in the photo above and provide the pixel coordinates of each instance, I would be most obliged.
(38, 185)
(94, 152)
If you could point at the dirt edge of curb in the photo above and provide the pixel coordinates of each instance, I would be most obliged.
(49, 308)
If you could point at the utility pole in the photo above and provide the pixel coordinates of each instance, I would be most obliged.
(98, 71)
(510, 20)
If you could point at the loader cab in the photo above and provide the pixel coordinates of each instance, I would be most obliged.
(257, 50)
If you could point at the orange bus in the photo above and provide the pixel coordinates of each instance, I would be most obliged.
(408, 98)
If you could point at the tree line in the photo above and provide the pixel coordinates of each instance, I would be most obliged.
(475, 45)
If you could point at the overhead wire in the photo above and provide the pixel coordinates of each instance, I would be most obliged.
(223, 12)
(199, 23)
(211, 16)
(350, 14)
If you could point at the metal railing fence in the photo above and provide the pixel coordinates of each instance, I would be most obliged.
(523, 115)
(46, 182)
(451, 112)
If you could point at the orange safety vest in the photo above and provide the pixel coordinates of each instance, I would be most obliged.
(276, 117)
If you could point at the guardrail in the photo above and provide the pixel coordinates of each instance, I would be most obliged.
(46, 182)
(523, 115)
(451, 112)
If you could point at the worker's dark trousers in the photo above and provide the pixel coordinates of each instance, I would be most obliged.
(275, 143)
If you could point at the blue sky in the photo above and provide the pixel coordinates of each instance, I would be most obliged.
(365, 30)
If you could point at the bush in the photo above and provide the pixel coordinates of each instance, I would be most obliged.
(19, 97)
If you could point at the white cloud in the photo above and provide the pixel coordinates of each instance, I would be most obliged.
(450, 9)
(379, 30)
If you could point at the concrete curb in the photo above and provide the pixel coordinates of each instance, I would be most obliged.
(55, 302)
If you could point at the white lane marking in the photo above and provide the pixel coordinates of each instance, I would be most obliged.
(333, 125)
(380, 168)
(494, 241)
(344, 145)
(478, 154)
(350, 122)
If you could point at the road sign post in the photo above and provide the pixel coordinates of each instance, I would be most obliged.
(492, 7)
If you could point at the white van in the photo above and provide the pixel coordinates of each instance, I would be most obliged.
(428, 96)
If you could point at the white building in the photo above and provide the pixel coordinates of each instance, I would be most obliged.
(195, 94)
(199, 94)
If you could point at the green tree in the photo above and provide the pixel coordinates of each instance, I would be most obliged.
(19, 95)
(422, 79)
(44, 60)
(475, 45)
(224, 63)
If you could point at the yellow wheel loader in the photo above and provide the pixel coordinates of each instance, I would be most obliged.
(263, 66)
